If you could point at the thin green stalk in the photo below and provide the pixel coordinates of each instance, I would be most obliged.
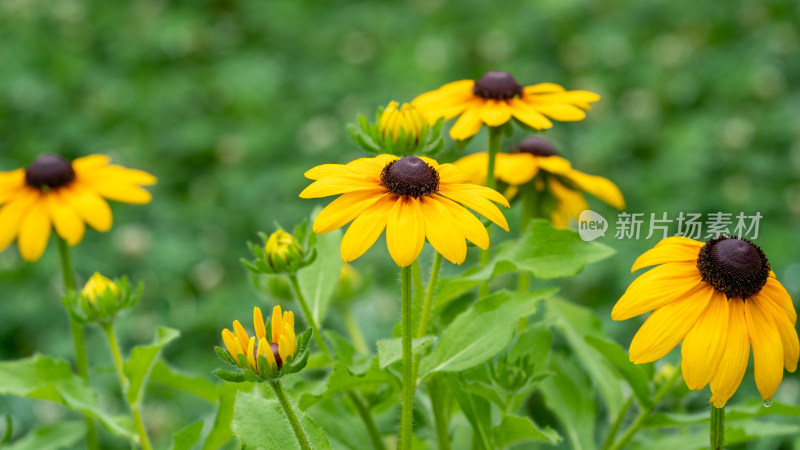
(78, 338)
(495, 134)
(427, 306)
(645, 412)
(363, 410)
(359, 343)
(416, 281)
(289, 411)
(135, 407)
(612, 432)
(310, 317)
(717, 428)
(435, 388)
(408, 364)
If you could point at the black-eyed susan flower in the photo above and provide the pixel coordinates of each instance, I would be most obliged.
(721, 299)
(54, 193)
(535, 160)
(497, 97)
(101, 299)
(412, 198)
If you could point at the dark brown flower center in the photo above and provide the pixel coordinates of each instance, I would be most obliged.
(734, 266)
(535, 146)
(410, 176)
(497, 85)
(49, 172)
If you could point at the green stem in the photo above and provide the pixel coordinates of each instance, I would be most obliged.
(495, 133)
(141, 431)
(717, 428)
(612, 432)
(310, 317)
(416, 281)
(359, 343)
(78, 337)
(363, 410)
(289, 411)
(427, 306)
(435, 388)
(645, 412)
(408, 363)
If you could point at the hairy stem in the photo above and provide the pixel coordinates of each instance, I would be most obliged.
(302, 439)
(408, 363)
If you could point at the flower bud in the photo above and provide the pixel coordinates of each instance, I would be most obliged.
(281, 249)
(97, 286)
(406, 119)
(101, 299)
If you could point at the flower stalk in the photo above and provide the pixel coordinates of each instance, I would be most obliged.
(495, 134)
(717, 428)
(408, 363)
(280, 393)
(323, 347)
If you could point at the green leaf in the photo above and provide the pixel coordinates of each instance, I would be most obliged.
(480, 332)
(221, 431)
(515, 429)
(318, 280)
(570, 396)
(391, 350)
(260, 423)
(342, 379)
(635, 374)
(195, 385)
(51, 437)
(575, 323)
(478, 413)
(744, 411)
(187, 437)
(51, 379)
(141, 361)
(341, 423)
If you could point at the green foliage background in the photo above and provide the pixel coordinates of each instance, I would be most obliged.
(229, 102)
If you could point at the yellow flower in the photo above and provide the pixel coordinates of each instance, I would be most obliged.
(97, 286)
(496, 97)
(54, 193)
(406, 119)
(720, 299)
(282, 348)
(413, 198)
(534, 156)
(281, 245)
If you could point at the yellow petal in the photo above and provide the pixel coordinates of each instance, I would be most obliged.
(528, 115)
(767, 350)
(469, 123)
(671, 249)
(554, 164)
(657, 287)
(600, 187)
(472, 227)
(366, 228)
(476, 202)
(513, 168)
(405, 231)
(570, 203)
(265, 350)
(258, 324)
(90, 206)
(241, 334)
(474, 166)
(90, 162)
(11, 215)
(558, 111)
(788, 334)
(34, 230)
(704, 345)
(345, 208)
(448, 101)
(449, 173)
(577, 98)
(733, 364)
(495, 112)
(115, 174)
(12, 184)
(66, 221)
(337, 185)
(284, 348)
(667, 326)
(119, 192)
(542, 88)
(775, 291)
(251, 355)
(277, 323)
(443, 230)
(232, 344)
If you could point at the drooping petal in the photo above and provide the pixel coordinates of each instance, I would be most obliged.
(671, 249)
(476, 202)
(66, 221)
(11, 215)
(469, 123)
(560, 111)
(366, 228)
(599, 187)
(474, 166)
(570, 203)
(667, 326)
(775, 291)
(12, 184)
(767, 350)
(513, 168)
(450, 174)
(258, 324)
(733, 364)
(495, 112)
(543, 88)
(120, 192)
(704, 345)
(116, 174)
(90, 206)
(442, 230)
(655, 288)
(577, 98)
(34, 230)
(405, 231)
(87, 163)
(528, 115)
(786, 330)
(328, 186)
(346, 208)
(448, 101)
(471, 226)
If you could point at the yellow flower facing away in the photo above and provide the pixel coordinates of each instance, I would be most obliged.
(56, 193)
(404, 119)
(97, 286)
(281, 245)
(534, 156)
(721, 299)
(413, 198)
(497, 97)
(279, 347)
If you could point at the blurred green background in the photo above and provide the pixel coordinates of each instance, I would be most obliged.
(229, 102)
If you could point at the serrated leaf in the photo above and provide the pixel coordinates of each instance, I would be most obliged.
(318, 280)
(480, 332)
(515, 430)
(51, 437)
(260, 423)
(636, 375)
(187, 437)
(391, 350)
(141, 361)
